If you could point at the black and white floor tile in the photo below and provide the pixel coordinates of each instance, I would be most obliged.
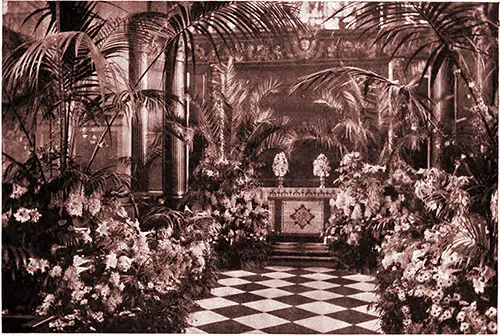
(288, 300)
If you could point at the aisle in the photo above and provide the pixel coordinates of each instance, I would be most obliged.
(287, 300)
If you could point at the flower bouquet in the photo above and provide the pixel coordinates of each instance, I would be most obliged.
(280, 167)
(438, 274)
(123, 279)
(358, 201)
(321, 168)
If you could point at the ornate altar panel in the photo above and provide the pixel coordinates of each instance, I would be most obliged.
(302, 217)
(298, 211)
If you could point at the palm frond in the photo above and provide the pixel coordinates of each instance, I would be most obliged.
(207, 122)
(261, 91)
(265, 137)
(472, 239)
(40, 54)
(249, 128)
(352, 131)
(163, 217)
(441, 33)
(14, 256)
(318, 133)
(337, 78)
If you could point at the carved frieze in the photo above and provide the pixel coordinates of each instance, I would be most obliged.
(305, 48)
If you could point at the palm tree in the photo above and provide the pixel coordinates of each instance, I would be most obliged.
(72, 77)
(372, 114)
(349, 127)
(69, 77)
(176, 30)
(444, 34)
(224, 20)
(238, 127)
(458, 39)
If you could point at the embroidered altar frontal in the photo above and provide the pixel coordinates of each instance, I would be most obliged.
(302, 217)
(298, 211)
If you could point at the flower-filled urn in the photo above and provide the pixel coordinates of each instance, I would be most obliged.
(280, 167)
(321, 168)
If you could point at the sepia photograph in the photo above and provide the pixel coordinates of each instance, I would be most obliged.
(249, 167)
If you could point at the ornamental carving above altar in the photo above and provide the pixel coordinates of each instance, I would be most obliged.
(323, 45)
(298, 192)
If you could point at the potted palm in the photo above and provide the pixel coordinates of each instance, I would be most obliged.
(237, 130)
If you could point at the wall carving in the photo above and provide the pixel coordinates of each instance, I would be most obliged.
(313, 193)
(321, 46)
(301, 217)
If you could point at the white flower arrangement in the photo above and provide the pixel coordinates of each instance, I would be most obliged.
(280, 165)
(74, 204)
(24, 215)
(321, 166)
(104, 276)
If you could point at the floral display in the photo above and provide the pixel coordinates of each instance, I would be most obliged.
(321, 166)
(438, 276)
(433, 255)
(125, 195)
(73, 256)
(428, 288)
(358, 203)
(227, 191)
(121, 273)
(35, 222)
(280, 165)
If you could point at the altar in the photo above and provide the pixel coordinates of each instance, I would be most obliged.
(298, 211)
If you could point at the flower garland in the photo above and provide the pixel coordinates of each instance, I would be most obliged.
(321, 166)
(280, 165)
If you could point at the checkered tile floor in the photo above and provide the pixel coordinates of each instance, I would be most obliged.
(287, 300)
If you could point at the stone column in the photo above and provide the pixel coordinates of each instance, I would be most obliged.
(175, 171)
(487, 66)
(390, 131)
(138, 63)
